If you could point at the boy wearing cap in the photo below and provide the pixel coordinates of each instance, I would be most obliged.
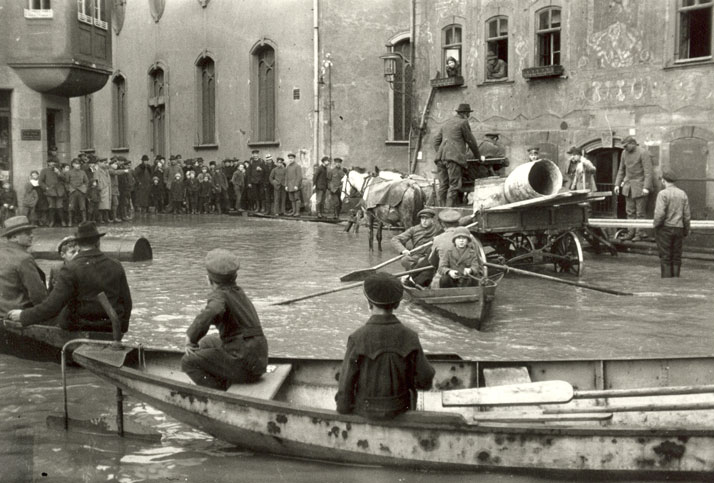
(239, 353)
(672, 221)
(67, 249)
(634, 178)
(461, 263)
(384, 364)
(22, 283)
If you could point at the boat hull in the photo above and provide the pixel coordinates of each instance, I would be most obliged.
(42, 342)
(419, 439)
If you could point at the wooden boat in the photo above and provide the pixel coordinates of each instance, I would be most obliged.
(311, 218)
(469, 305)
(290, 412)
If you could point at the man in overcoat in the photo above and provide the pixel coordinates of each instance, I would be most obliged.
(319, 183)
(143, 175)
(634, 180)
(334, 185)
(22, 283)
(293, 182)
(451, 145)
(52, 183)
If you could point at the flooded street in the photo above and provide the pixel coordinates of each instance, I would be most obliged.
(531, 319)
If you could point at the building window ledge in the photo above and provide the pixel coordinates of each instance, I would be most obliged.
(392, 142)
(495, 82)
(205, 146)
(275, 143)
(120, 150)
(88, 150)
(543, 72)
(38, 13)
(453, 81)
(684, 63)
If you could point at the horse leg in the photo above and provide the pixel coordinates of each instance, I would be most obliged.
(370, 222)
(380, 225)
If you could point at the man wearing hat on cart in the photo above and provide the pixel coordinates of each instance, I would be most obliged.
(22, 283)
(384, 364)
(414, 237)
(239, 352)
(672, 222)
(634, 180)
(73, 304)
(451, 145)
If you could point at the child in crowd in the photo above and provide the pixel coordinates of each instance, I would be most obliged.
(192, 188)
(156, 194)
(8, 201)
(205, 190)
(94, 197)
(461, 265)
(178, 194)
(30, 198)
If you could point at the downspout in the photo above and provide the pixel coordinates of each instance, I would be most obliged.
(316, 78)
(412, 59)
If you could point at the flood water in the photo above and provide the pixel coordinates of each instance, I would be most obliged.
(531, 319)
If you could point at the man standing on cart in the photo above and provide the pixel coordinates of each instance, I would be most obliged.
(634, 176)
(451, 145)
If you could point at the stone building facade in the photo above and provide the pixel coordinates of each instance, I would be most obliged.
(582, 73)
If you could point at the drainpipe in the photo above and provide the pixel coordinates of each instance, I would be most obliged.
(412, 59)
(316, 78)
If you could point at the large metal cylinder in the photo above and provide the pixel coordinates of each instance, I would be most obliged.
(125, 249)
(531, 180)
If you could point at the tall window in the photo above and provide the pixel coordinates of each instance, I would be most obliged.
(451, 45)
(548, 37)
(92, 12)
(402, 93)
(207, 100)
(87, 121)
(497, 48)
(38, 9)
(695, 29)
(265, 115)
(119, 114)
(157, 105)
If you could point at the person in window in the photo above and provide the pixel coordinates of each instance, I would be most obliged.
(453, 69)
(495, 68)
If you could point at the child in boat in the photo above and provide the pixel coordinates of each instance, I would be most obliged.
(384, 364)
(460, 266)
(67, 249)
(239, 352)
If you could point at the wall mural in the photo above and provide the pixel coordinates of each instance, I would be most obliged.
(616, 46)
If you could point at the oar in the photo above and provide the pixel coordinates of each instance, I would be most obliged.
(345, 287)
(552, 392)
(506, 268)
(364, 272)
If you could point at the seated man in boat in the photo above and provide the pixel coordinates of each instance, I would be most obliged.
(384, 364)
(22, 283)
(414, 237)
(461, 265)
(239, 352)
(73, 304)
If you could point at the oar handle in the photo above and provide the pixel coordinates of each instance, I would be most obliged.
(113, 316)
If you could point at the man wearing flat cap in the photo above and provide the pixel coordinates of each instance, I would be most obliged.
(239, 352)
(634, 180)
(22, 283)
(384, 364)
(415, 237)
(451, 145)
(672, 222)
(73, 304)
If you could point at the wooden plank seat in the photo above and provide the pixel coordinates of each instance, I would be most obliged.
(268, 385)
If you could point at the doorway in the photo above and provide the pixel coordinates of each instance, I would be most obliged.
(53, 121)
(606, 161)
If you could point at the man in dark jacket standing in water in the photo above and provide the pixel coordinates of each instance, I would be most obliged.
(384, 365)
(239, 353)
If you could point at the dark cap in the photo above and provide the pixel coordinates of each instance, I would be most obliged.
(291, 155)
(464, 108)
(427, 212)
(534, 149)
(255, 151)
(628, 140)
(449, 216)
(573, 150)
(144, 158)
(669, 175)
(383, 289)
(492, 134)
(87, 230)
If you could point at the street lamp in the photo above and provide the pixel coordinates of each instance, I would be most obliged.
(391, 66)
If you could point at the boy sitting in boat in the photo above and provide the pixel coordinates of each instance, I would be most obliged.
(460, 266)
(239, 353)
(67, 249)
(384, 364)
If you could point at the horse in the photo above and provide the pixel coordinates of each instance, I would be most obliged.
(387, 198)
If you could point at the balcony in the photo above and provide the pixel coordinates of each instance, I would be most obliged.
(61, 78)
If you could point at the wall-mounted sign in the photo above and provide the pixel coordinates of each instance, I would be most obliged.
(606, 139)
(555, 70)
(30, 134)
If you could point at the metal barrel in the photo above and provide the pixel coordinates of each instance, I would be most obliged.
(488, 193)
(531, 180)
(125, 249)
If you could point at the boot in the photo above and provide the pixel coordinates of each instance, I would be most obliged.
(297, 208)
(665, 270)
(675, 269)
(51, 217)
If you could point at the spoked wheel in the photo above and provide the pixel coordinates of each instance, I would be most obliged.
(568, 254)
(520, 250)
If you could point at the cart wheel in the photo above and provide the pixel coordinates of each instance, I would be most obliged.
(520, 245)
(620, 234)
(568, 246)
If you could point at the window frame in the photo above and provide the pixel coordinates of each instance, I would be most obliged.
(119, 112)
(549, 31)
(44, 11)
(405, 93)
(446, 48)
(257, 137)
(681, 10)
(158, 107)
(87, 122)
(206, 126)
(498, 38)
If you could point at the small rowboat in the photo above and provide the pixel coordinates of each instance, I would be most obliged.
(628, 418)
(306, 217)
(470, 306)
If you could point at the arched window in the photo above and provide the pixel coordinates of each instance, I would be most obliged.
(264, 103)
(157, 106)
(548, 25)
(119, 112)
(86, 112)
(402, 93)
(206, 71)
(451, 45)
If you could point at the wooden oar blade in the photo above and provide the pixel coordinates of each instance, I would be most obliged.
(546, 392)
(358, 275)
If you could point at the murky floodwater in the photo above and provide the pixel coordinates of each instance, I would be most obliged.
(282, 260)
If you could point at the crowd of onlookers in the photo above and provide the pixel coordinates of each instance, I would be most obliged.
(112, 190)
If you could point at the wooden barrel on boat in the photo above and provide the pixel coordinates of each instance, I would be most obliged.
(125, 249)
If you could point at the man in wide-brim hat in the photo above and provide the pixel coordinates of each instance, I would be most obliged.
(452, 144)
(73, 303)
(22, 283)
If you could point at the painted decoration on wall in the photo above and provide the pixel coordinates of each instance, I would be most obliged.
(157, 9)
(118, 8)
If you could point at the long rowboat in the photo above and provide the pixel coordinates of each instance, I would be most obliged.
(469, 305)
(41, 341)
(290, 411)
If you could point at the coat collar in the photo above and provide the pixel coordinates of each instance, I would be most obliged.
(387, 319)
